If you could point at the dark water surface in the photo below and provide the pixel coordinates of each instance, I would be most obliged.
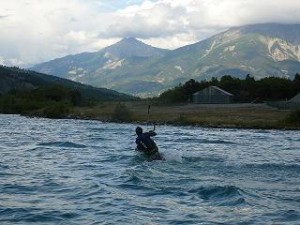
(86, 172)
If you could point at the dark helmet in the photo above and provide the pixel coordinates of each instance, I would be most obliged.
(138, 130)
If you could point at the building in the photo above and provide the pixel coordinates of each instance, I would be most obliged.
(212, 95)
(293, 103)
(296, 98)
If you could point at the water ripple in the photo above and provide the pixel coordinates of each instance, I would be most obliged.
(87, 172)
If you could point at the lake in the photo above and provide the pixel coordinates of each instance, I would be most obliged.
(87, 172)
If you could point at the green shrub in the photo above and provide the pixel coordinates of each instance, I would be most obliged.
(293, 118)
(25, 105)
(181, 119)
(121, 113)
(57, 110)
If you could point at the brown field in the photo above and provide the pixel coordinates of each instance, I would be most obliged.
(210, 115)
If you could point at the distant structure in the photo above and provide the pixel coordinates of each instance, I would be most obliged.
(293, 103)
(212, 95)
(296, 98)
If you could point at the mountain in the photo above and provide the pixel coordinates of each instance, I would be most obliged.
(119, 67)
(260, 50)
(13, 78)
(133, 67)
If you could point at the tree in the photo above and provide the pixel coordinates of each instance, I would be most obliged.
(76, 98)
(189, 88)
(275, 88)
(296, 83)
(230, 84)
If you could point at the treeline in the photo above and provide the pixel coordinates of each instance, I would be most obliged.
(244, 90)
(55, 101)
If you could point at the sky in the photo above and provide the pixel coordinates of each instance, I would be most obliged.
(35, 31)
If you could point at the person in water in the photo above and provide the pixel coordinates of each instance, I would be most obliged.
(146, 145)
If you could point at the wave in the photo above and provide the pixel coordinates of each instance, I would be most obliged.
(210, 192)
(28, 189)
(274, 166)
(203, 141)
(199, 156)
(150, 183)
(284, 216)
(223, 195)
(65, 144)
(190, 156)
(172, 155)
(33, 215)
(4, 166)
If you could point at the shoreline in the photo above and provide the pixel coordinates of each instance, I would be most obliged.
(235, 116)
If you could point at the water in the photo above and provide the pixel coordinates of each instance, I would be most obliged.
(86, 172)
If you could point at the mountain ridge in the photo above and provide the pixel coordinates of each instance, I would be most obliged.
(257, 49)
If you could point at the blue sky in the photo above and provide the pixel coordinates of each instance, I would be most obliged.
(121, 4)
(33, 31)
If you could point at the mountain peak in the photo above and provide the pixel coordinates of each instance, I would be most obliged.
(130, 46)
(130, 39)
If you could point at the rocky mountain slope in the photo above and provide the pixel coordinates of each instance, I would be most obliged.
(131, 66)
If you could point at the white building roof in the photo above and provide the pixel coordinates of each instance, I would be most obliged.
(217, 88)
(296, 98)
(225, 92)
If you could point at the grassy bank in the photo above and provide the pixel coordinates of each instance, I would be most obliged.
(235, 115)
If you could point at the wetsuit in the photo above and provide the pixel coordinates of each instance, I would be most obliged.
(146, 145)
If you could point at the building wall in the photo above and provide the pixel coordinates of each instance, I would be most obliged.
(212, 95)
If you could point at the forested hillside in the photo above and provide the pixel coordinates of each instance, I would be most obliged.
(16, 79)
(30, 93)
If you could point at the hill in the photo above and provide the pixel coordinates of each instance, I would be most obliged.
(12, 78)
(130, 66)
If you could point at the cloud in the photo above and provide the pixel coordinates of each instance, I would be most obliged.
(173, 23)
(3, 17)
(148, 21)
(42, 30)
(32, 31)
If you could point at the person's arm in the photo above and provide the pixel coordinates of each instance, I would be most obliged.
(152, 133)
(140, 145)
